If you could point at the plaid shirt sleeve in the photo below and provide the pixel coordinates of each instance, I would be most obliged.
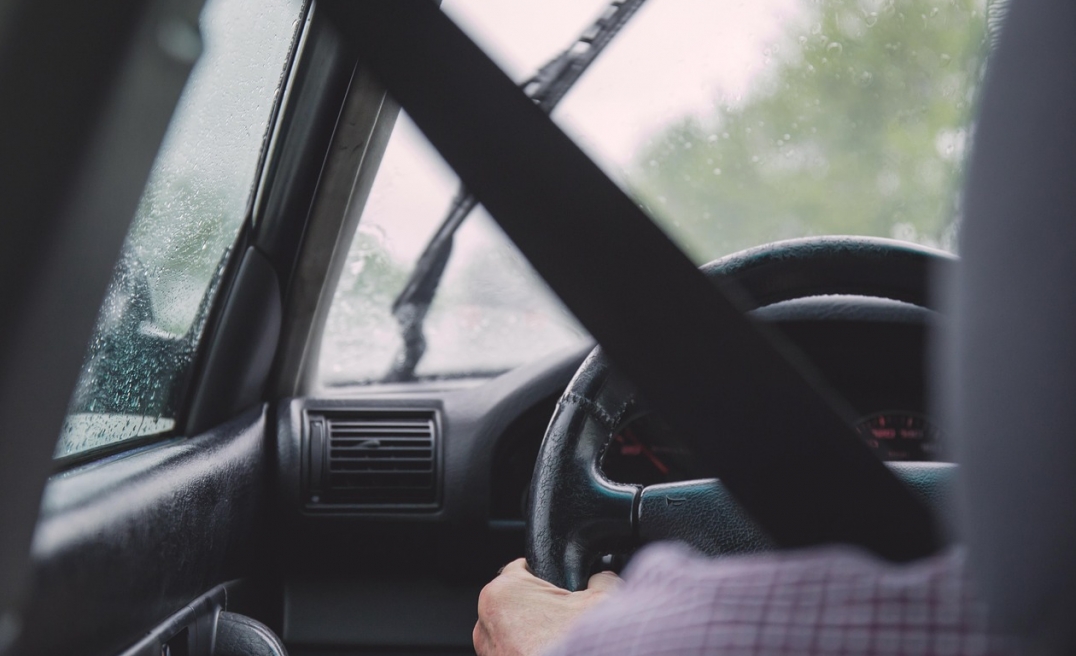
(832, 601)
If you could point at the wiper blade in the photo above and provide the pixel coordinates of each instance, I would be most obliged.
(411, 306)
(546, 87)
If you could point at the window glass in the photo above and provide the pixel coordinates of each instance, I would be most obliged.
(732, 123)
(740, 123)
(491, 312)
(188, 218)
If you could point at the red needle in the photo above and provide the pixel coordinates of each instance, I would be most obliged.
(654, 460)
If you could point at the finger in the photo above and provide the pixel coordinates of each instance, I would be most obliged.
(604, 582)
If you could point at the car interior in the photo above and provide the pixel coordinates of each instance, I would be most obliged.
(235, 425)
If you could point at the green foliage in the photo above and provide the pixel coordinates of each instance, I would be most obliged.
(859, 128)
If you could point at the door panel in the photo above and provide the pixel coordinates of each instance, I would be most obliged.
(125, 542)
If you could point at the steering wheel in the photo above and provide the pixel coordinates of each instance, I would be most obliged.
(575, 513)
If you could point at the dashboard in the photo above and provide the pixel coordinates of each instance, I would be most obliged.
(462, 453)
(871, 353)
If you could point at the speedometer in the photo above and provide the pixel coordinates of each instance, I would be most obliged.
(647, 451)
(900, 436)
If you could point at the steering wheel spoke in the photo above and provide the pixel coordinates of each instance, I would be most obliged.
(700, 513)
(576, 513)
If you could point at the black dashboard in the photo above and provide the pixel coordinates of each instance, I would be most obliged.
(431, 478)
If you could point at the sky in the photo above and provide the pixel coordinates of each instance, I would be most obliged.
(675, 57)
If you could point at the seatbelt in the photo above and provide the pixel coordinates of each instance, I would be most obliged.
(743, 400)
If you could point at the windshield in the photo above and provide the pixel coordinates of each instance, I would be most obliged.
(733, 124)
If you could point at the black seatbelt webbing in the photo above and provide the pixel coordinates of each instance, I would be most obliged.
(778, 444)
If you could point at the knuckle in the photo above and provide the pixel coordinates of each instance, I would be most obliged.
(477, 638)
(486, 599)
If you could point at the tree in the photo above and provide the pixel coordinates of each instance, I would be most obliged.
(859, 128)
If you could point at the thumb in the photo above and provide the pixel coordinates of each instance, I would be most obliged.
(604, 582)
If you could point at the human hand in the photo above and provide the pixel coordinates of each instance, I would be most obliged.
(519, 614)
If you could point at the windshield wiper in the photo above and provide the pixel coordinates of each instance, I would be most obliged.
(546, 88)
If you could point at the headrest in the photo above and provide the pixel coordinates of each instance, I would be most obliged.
(1010, 388)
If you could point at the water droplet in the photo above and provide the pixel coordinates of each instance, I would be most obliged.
(754, 158)
(787, 136)
(945, 59)
(835, 47)
(717, 171)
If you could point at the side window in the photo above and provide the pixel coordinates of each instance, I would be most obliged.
(152, 318)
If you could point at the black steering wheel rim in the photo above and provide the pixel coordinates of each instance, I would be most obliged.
(574, 512)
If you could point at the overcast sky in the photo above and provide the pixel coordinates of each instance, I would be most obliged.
(674, 58)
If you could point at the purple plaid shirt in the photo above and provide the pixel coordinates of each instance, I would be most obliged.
(830, 601)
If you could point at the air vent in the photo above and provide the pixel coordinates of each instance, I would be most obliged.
(372, 459)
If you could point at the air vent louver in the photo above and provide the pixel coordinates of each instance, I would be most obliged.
(373, 458)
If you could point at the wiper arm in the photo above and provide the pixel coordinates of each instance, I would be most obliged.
(546, 88)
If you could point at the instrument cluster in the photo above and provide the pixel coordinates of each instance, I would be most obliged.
(647, 451)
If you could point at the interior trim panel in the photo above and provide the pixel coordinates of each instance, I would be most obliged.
(184, 514)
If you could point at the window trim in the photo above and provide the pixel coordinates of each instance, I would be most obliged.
(79, 458)
(233, 256)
